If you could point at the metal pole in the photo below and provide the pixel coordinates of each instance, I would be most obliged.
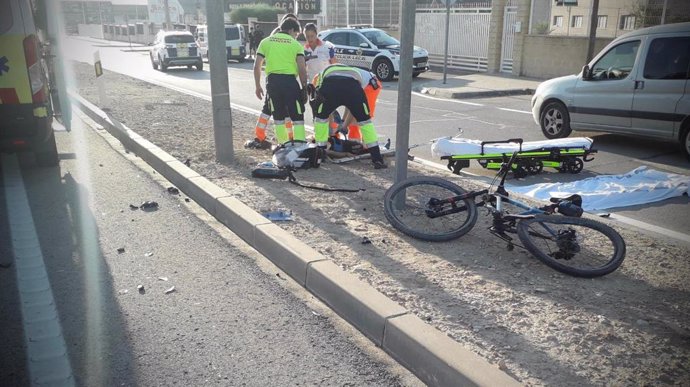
(220, 93)
(594, 21)
(663, 13)
(372, 13)
(445, 51)
(402, 133)
(168, 25)
(347, 13)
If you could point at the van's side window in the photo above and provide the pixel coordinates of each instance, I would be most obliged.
(668, 58)
(617, 62)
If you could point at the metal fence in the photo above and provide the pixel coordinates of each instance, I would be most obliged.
(468, 46)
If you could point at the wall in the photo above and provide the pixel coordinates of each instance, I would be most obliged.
(546, 56)
(90, 30)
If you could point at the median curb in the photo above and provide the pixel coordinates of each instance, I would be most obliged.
(432, 356)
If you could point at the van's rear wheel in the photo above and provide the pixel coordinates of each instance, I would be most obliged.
(153, 63)
(685, 142)
(555, 121)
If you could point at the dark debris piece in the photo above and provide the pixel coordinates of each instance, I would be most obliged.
(149, 206)
(120, 250)
(366, 241)
(141, 289)
(133, 207)
(188, 162)
(173, 191)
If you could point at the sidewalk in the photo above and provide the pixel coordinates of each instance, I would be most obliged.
(475, 85)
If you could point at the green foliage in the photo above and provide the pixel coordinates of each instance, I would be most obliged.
(262, 12)
(541, 28)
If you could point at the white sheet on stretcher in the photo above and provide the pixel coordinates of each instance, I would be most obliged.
(464, 146)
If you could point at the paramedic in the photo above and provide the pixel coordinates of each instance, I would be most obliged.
(284, 58)
(340, 85)
(260, 141)
(371, 91)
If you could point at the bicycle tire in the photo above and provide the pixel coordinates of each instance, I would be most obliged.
(586, 244)
(415, 205)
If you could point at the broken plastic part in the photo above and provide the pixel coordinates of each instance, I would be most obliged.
(279, 216)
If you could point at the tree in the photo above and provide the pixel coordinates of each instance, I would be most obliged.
(262, 12)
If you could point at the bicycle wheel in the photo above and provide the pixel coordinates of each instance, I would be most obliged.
(577, 246)
(412, 207)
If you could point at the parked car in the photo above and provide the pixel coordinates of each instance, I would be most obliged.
(175, 48)
(235, 41)
(372, 49)
(636, 85)
(26, 111)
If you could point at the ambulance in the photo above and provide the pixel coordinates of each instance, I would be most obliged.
(26, 113)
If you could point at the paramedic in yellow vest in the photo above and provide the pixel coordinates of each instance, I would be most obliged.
(340, 85)
(260, 142)
(371, 91)
(284, 58)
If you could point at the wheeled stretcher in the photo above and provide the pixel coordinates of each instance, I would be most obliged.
(565, 155)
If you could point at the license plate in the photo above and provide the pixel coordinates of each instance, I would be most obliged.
(421, 64)
(182, 45)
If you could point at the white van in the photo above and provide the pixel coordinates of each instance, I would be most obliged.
(235, 40)
(637, 85)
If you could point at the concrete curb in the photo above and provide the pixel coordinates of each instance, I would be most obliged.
(446, 93)
(433, 357)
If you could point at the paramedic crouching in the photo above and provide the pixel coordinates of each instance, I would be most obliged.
(340, 85)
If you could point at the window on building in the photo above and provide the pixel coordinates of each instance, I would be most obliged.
(558, 21)
(627, 22)
(668, 58)
(602, 21)
(576, 21)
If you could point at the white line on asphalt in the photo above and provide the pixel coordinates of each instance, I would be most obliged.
(516, 111)
(47, 358)
(650, 227)
(446, 99)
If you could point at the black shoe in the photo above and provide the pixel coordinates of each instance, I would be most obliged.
(380, 165)
(256, 144)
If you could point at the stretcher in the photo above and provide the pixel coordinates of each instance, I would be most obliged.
(564, 155)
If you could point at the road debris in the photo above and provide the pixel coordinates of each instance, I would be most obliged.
(149, 206)
(149, 254)
(133, 207)
(188, 162)
(173, 191)
(120, 250)
(163, 278)
(278, 216)
(172, 289)
(141, 289)
(366, 241)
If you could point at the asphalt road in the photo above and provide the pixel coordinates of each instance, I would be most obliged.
(231, 320)
(431, 117)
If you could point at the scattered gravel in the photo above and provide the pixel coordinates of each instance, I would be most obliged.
(544, 328)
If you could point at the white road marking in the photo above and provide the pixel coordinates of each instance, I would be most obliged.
(446, 99)
(47, 357)
(514, 110)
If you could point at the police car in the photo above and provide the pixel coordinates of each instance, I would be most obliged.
(372, 49)
(175, 48)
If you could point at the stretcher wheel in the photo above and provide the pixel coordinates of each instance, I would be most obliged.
(535, 167)
(575, 166)
(520, 170)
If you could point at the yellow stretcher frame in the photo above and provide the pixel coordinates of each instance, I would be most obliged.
(532, 162)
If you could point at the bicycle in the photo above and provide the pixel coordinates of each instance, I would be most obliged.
(444, 211)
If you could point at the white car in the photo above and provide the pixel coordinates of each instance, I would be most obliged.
(175, 48)
(372, 49)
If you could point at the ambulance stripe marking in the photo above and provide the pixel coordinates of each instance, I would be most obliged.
(9, 96)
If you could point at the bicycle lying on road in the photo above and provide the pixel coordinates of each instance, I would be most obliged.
(435, 209)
